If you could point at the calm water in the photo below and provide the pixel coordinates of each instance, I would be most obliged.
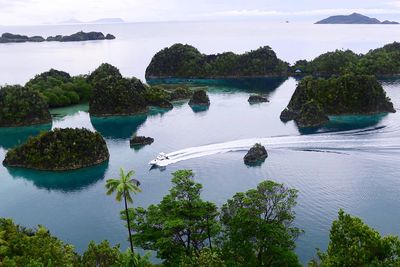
(352, 163)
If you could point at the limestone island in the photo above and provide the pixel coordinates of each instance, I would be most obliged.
(59, 150)
(20, 106)
(315, 99)
(354, 18)
(76, 37)
(256, 155)
(185, 61)
(114, 95)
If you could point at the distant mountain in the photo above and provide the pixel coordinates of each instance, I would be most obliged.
(98, 21)
(354, 18)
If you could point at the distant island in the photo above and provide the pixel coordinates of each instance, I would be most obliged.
(76, 37)
(354, 18)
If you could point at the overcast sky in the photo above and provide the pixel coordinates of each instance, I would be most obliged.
(27, 12)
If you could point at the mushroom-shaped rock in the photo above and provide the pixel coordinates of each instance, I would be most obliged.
(256, 99)
(59, 150)
(199, 98)
(256, 154)
(141, 141)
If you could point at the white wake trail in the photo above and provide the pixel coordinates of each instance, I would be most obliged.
(315, 142)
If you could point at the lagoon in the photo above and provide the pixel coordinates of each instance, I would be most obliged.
(351, 163)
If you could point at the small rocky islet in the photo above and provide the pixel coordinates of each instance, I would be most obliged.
(257, 99)
(256, 155)
(199, 98)
(138, 141)
(76, 37)
(59, 150)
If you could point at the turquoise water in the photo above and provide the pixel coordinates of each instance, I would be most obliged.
(352, 163)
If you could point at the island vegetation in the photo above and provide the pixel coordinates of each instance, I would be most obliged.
(347, 94)
(380, 62)
(199, 98)
(59, 89)
(185, 61)
(76, 37)
(113, 94)
(59, 150)
(21, 106)
(253, 228)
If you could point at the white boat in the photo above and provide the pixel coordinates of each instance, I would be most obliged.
(162, 157)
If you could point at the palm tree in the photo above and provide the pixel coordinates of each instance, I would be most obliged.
(124, 186)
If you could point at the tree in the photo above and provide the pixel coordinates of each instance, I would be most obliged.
(180, 225)
(353, 243)
(257, 227)
(124, 186)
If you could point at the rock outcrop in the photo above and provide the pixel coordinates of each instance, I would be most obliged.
(257, 154)
(256, 99)
(20, 106)
(199, 98)
(140, 141)
(59, 150)
(76, 37)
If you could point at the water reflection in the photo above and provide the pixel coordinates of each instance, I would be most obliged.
(251, 85)
(69, 181)
(200, 108)
(11, 137)
(346, 123)
(121, 127)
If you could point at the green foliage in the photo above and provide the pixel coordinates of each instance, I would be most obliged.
(24, 247)
(20, 106)
(331, 63)
(347, 94)
(180, 225)
(257, 227)
(123, 187)
(59, 89)
(353, 243)
(205, 258)
(380, 62)
(186, 61)
(59, 149)
(113, 94)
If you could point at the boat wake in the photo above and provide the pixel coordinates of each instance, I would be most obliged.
(342, 143)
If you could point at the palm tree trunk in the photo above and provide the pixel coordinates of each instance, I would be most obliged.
(129, 228)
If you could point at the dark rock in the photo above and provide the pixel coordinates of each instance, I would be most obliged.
(56, 38)
(59, 150)
(36, 39)
(288, 115)
(140, 141)
(181, 93)
(110, 37)
(199, 98)
(256, 154)
(255, 99)
(311, 115)
(13, 38)
(20, 106)
(163, 104)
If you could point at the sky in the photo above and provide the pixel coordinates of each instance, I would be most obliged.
(33, 12)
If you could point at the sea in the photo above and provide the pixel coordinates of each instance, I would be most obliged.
(352, 163)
